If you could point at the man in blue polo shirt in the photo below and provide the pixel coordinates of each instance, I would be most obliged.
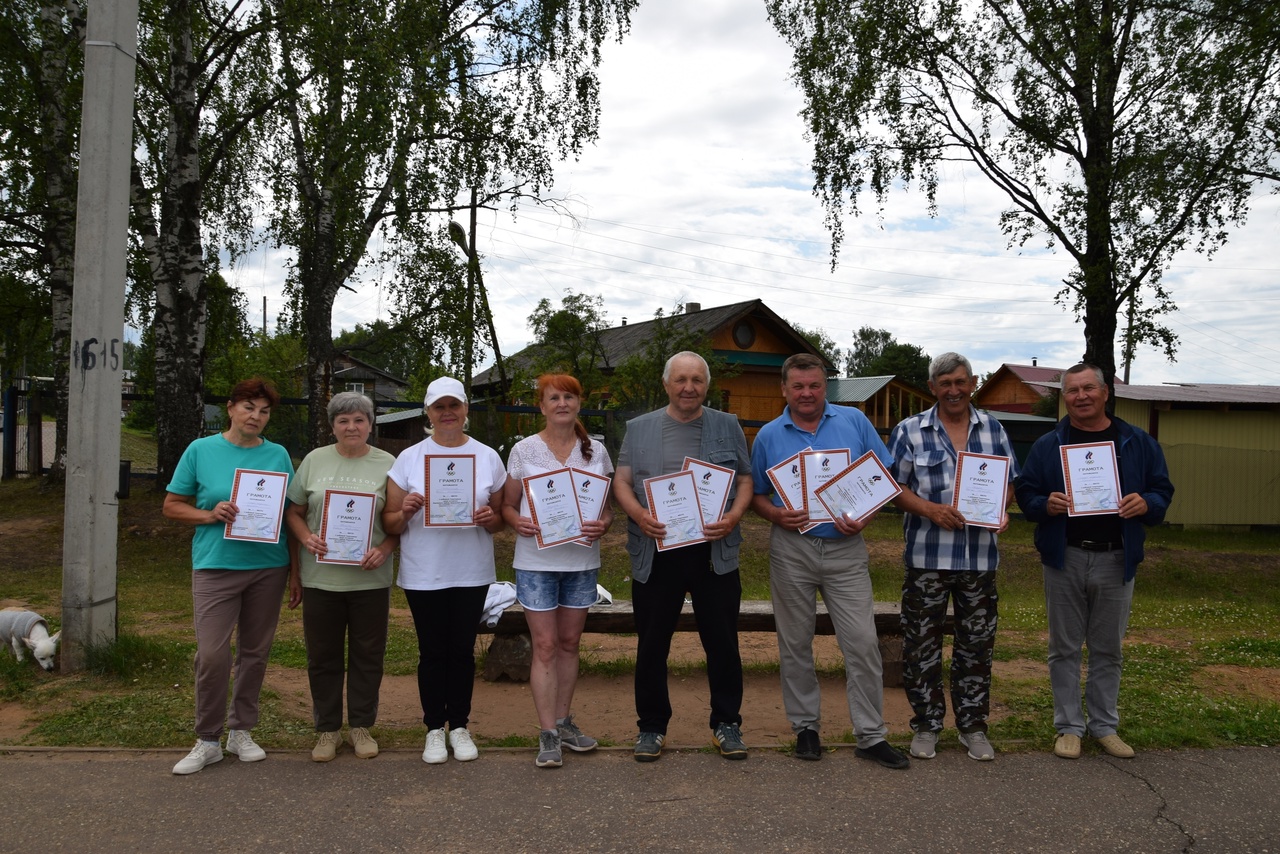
(945, 558)
(830, 558)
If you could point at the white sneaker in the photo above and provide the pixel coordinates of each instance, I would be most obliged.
(241, 743)
(435, 752)
(924, 744)
(464, 749)
(204, 753)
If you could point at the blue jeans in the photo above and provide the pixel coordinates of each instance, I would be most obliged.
(1088, 604)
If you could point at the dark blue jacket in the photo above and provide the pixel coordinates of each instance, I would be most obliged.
(1142, 470)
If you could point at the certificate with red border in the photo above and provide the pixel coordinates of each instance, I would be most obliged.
(259, 497)
(346, 526)
(816, 469)
(553, 507)
(673, 500)
(449, 487)
(858, 490)
(592, 492)
(1092, 478)
(981, 491)
(713, 484)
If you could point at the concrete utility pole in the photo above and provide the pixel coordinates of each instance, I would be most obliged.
(97, 331)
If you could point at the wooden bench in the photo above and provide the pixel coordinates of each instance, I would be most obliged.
(511, 651)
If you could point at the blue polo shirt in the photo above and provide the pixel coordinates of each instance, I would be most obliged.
(839, 427)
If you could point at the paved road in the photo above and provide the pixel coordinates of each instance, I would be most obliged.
(1201, 801)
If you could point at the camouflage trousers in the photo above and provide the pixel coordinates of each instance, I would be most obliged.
(924, 610)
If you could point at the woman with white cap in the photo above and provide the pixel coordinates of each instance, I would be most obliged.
(445, 570)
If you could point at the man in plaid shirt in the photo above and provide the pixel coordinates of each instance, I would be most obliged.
(944, 558)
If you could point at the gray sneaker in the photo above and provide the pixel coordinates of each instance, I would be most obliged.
(924, 744)
(574, 738)
(549, 755)
(979, 748)
(728, 738)
(649, 746)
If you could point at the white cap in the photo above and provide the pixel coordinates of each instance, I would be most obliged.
(445, 387)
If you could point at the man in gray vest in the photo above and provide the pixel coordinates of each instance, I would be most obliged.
(656, 444)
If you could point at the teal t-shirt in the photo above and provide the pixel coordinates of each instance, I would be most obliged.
(324, 468)
(207, 471)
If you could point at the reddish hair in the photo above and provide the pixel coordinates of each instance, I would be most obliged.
(254, 388)
(565, 382)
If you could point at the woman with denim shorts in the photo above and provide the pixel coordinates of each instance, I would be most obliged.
(555, 585)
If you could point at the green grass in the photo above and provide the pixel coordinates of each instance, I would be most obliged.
(1205, 599)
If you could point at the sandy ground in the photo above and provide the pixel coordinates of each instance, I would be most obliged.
(604, 706)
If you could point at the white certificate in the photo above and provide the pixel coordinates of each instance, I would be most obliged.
(673, 500)
(1092, 478)
(259, 496)
(981, 490)
(816, 469)
(346, 526)
(553, 507)
(450, 490)
(789, 485)
(713, 484)
(859, 489)
(592, 492)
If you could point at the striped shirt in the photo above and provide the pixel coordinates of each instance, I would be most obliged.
(924, 462)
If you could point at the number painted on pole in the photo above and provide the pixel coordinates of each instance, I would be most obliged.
(92, 353)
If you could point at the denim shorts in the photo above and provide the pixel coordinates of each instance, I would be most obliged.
(546, 591)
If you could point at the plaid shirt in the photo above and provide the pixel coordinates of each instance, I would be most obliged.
(925, 463)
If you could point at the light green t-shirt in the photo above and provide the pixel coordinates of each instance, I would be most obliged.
(324, 468)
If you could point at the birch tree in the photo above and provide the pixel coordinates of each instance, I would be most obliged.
(204, 83)
(409, 105)
(41, 67)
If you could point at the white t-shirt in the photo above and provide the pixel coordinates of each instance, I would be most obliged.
(436, 558)
(529, 457)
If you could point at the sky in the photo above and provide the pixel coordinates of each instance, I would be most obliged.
(699, 189)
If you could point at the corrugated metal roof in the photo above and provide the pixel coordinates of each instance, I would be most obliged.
(1019, 416)
(1196, 392)
(1201, 393)
(855, 389)
(402, 415)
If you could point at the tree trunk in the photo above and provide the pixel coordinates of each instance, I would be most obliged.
(177, 262)
(58, 141)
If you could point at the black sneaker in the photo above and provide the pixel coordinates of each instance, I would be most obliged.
(808, 746)
(728, 737)
(649, 746)
(884, 753)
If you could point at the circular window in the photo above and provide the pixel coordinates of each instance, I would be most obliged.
(744, 334)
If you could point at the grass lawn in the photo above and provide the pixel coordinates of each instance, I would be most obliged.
(1202, 668)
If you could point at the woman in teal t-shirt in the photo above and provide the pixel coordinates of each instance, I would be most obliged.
(237, 584)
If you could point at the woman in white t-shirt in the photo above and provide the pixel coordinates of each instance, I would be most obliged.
(445, 571)
(555, 585)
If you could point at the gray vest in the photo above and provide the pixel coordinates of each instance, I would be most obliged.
(720, 443)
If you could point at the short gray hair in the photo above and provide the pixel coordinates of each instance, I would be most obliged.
(1081, 368)
(666, 370)
(946, 363)
(345, 402)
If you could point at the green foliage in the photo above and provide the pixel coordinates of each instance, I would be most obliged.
(25, 348)
(1121, 132)
(876, 353)
(568, 341)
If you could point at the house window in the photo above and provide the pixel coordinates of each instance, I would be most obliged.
(356, 387)
(744, 335)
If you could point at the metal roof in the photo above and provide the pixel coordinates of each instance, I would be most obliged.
(855, 389)
(1197, 392)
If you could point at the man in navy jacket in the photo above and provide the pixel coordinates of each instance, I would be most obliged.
(1090, 561)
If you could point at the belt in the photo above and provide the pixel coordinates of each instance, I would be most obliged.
(1096, 546)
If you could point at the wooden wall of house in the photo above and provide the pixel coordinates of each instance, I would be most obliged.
(1006, 393)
